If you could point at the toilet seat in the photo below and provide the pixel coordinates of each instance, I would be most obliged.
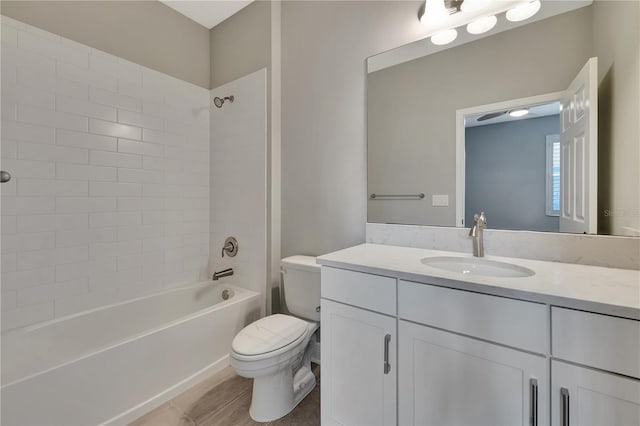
(269, 337)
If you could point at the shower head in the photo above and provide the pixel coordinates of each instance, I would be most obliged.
(218, 102)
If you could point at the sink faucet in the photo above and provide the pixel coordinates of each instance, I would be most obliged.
(221, 274)
(479, 223)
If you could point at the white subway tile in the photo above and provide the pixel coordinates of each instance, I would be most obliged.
(24, 242)
(9, 36)
(27, 205)
(27, 315)
(12, 280)
(27, 132)
(83, 172)
(129, 203)
(9, 262)
(5, 20)
(9, 300)
(27, 96)
(136, 90)
(90, 109)
(135, 147)
(141, 176)
(29, 169)
(9, 189)
(129, 262)
(154, 163)
(153, 190)
(8, 224)
(115, 159)
(58, 256)
(108, 128)
(47, 187)
(81, 75)
(85, 237)
(44, 117)
(114, 219)
(13, 56)
(86, 140)
(84, 204)
(50, 82)
(120, 248)
(152, 203)
(52, 222)
(112, 65)
(43, 152)
(115, 189)
(149, 135)
(113, 99)
(8, 149)
(140, 120)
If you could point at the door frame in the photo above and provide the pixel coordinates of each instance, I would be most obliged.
(460, 137)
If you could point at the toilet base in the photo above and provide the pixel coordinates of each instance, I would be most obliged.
(277, 395)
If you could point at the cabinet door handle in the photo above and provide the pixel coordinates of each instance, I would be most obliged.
(387, 366)
(565, 406)
(533, 389)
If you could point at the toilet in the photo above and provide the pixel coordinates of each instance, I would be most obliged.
(276, 351)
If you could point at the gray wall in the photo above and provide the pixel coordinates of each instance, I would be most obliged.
(505, 173)
(241, 44)
(616, 40)
(145, 32)
(412, 106)
(324, 47)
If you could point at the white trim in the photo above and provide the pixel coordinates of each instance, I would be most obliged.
(169, 393)
(460, 137)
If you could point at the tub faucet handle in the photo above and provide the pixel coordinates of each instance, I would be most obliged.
(230, 247)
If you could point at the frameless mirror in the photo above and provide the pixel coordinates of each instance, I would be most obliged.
(443, 141)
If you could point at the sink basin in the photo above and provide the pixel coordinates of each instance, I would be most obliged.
(477, 266)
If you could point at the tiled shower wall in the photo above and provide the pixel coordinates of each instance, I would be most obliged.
(110, 191)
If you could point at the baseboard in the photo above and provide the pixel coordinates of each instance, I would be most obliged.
(169, 393)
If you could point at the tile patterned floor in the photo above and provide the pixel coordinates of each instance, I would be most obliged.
(223, 400)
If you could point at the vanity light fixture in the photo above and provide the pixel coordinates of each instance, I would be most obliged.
(442, 17)
(482, 25)
(444, 37)
(519, 112)
(523, 11)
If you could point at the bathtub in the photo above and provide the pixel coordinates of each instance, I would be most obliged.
(110, 365)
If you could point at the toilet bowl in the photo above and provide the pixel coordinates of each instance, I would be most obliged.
(275, 351)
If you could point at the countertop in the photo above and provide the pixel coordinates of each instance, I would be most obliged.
(597, 289)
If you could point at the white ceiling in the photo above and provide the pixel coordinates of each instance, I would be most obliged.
(207, 13)
(535, 111)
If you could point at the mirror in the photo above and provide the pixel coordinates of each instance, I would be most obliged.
(418, 95)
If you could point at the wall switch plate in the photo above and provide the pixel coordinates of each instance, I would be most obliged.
(440, 200)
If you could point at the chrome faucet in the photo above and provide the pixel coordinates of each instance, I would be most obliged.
(479, 223)
(221, 274)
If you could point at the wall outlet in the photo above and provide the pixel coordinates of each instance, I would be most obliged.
(440, 200)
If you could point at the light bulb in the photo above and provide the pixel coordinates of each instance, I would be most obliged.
(482, 25)
(444, 37)
(523, 11)
(519, 112)
(471, 6)
(434, 11)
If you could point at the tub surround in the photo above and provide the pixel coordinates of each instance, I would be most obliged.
(591, 288)
(597, 250)
(163, 345)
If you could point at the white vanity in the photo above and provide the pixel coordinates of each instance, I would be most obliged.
(404, 342)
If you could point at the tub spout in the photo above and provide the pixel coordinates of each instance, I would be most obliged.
(224, 273)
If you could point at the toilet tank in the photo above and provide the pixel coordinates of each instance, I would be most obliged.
(301, 285)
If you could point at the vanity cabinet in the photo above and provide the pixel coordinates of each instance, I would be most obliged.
(358, 350)
(448, 379)
(469, 358)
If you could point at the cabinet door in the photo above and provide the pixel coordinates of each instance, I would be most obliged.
(582, 396)
(448, 379)
(358, 375)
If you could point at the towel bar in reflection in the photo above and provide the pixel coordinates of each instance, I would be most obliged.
(396, 196)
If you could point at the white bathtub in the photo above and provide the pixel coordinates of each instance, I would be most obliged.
(111, 364)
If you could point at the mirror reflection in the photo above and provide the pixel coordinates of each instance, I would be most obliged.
(443, 145)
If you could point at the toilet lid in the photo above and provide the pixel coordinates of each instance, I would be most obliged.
(268, 334)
